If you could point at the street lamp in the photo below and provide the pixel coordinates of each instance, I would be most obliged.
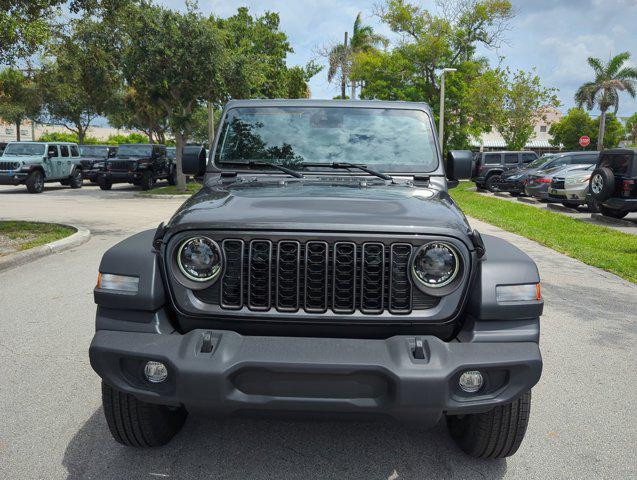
(441, 117)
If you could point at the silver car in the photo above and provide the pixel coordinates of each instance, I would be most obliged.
(570, 188)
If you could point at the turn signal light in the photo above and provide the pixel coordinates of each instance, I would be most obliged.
(518, 293)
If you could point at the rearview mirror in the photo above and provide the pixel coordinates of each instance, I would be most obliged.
(459, 165)
(193, 161)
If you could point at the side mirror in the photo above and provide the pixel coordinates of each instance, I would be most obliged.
(459, 166)
(193, 161)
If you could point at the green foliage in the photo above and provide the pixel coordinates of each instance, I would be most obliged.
(614, 131)
(610, 79)
(131, 109)
(570, 128)
(429, 42)
(32, 234)
(80, 83)
(119, 139)
(601, 247)
(19, 98)
(631, 128)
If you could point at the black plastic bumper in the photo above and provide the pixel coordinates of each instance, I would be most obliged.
(622, 204)
(292, 374)
(16, 178)
(121, 177)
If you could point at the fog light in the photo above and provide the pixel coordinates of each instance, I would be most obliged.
(471, 381)
(156, 372)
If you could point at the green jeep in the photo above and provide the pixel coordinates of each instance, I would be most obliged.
(33, 163)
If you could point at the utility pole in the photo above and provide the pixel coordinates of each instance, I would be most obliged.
(441, 115)
(344, 70)
(211, 126)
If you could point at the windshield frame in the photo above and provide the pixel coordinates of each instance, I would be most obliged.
(213, 166)
(134, 145)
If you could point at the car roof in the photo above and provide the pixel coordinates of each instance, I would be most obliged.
(141, 145)
(44, 143)
(308, 102)
(622, 151)
(577, 152)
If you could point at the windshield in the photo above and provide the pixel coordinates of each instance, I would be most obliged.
(94, 151)
(134, 151)
(171, 152)
(385, 139)
(538, 162)
(24, 149)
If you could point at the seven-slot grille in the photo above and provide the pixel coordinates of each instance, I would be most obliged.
(317, 276)
(9, 165)
(122, 165)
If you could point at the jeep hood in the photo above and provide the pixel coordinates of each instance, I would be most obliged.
(322, 206)
(21, 158)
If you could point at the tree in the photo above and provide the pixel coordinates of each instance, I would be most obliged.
(81, 82)
(340, 56)
(19, 98)
(523, 102)
(631, 128)
(603, 92)
(567, 132)
(131, 109)
(176, 60)
(429, 42)
(614, 131)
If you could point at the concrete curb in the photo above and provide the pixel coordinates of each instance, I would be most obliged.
(612, 221)
(12, 260)
(530, 201)
(561, 208)
(184, 197)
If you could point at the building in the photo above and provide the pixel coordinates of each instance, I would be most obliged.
(539, 142)
(31, 132)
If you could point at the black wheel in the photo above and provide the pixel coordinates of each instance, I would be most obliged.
(611, 212)
(104, 183)
(491, 183)
(35, 182)
(76, 181)
(139, 424)
(172, 177)
(147, 181)
(602, 183)
(497, 433)
(592, 205)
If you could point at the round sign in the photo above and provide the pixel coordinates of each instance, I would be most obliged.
(584, 141)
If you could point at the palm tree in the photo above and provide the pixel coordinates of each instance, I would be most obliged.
(341, 56)
(610, 80)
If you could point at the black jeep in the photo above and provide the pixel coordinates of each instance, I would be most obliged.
(92, 159)
(613, 184)
(489, 166)
(138, 164)
(302, 281)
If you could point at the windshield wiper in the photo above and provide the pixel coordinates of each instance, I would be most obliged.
(347, 166)
(276, 166)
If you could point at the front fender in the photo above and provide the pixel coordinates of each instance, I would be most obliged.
(133, 256)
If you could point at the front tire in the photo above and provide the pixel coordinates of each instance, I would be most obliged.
(497, 433)
(35, 182)
(104, 183)
(76, 181)
(147, 181)
(135, 423)
(491, 183)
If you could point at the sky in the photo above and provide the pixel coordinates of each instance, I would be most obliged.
(553, 36)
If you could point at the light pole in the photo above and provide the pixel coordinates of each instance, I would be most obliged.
(441, 117)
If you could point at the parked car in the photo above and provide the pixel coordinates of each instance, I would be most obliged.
(613, 185)
(490, 165)
(35, 163)
(537, 184)
(291, 283)
(513, 181)
(3, 145)
(171, 153)
(138, 164)
(93, 158)
(570, 188)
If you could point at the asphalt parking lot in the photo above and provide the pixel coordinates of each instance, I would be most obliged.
(582, 422)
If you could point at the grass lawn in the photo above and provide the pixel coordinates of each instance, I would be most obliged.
(191, 188)
(17, 236)
(594, 245)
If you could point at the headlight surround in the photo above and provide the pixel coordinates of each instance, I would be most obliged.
(199, 259)
(436, 268)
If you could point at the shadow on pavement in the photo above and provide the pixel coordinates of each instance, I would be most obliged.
(276, 449)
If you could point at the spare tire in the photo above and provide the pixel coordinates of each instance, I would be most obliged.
(602, 183)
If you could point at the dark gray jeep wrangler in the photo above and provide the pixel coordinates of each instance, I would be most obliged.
(321, 269)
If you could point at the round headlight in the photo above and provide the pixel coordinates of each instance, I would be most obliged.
(199, 259)
(436, 265)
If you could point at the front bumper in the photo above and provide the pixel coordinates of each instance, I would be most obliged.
(115, 176)
(327, 375)
(13, 178)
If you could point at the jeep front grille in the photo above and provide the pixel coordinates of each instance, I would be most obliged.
(122, 165)
(9, 165)
(317, 276)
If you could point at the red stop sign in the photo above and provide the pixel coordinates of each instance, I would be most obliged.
(584, 141)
